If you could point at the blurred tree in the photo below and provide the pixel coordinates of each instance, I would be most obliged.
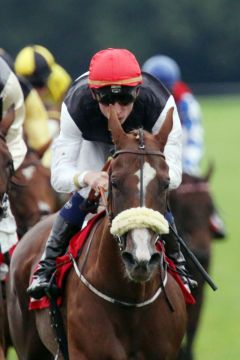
(202, 36)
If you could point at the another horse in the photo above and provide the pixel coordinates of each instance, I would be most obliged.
(192, 205)
(34, 198)
(121, 313)
(6, 172)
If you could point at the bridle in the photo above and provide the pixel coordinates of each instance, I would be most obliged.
(141, 151)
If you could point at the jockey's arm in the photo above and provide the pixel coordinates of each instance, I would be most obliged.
(76, 162)
(173, 148)
(13, 97)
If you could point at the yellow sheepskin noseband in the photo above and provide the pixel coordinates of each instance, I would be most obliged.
(139, 217)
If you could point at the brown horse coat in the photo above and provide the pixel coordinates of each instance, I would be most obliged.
(97, 329)
(192, 205)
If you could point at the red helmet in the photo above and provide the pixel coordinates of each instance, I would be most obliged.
(114, 67)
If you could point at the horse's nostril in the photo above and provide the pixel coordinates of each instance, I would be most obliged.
(155, 259)
(128, 258)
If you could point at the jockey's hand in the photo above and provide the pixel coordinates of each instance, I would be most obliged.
(97, 179)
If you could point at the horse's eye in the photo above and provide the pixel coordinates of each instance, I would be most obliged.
(166, 184)
(114, 182)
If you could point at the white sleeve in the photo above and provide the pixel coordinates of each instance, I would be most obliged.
(12, 95)
(173, 148)
(65, 152)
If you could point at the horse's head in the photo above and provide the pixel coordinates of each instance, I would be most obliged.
(31, 194)
(138, 187)
(192, 205)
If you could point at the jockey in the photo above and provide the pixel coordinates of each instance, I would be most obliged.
(168, 72)
(51, 80)
(12, 99)
(84, 144)
(37, 64)
(35, 126)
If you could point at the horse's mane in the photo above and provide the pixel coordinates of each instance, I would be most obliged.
(192, 178)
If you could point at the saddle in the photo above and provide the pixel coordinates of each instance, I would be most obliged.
(64, 264)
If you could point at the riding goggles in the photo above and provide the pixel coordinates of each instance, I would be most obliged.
(124, 95)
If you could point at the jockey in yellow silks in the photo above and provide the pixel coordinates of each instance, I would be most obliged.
(51, 81)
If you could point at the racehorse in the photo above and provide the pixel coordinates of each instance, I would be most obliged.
(120, 312)
(32, 196)
(6, 171)
(192, 205)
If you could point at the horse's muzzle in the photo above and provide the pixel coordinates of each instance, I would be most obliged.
(140, 270)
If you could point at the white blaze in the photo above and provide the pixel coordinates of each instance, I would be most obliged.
(141, 239)
(148, 175)
(43, 206)
(28, 172)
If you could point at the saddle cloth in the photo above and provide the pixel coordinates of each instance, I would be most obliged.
(64, 264)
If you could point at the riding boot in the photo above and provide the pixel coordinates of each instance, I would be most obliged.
(67, 223)
(173, 251)
(56, 246)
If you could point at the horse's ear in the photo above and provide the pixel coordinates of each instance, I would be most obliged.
(165, 129)
(7, 120)
(114, 126)
(209, 172)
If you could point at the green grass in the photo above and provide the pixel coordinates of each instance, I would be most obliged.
(218, 337)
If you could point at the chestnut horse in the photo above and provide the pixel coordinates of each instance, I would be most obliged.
(192, 205)
(119, 312)
(6, 171)
(32, 196)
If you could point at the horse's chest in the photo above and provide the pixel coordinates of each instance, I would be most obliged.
(118, 336)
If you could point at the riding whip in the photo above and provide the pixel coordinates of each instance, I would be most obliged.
(190, 254)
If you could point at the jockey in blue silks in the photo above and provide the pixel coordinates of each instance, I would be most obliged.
(168, 72)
